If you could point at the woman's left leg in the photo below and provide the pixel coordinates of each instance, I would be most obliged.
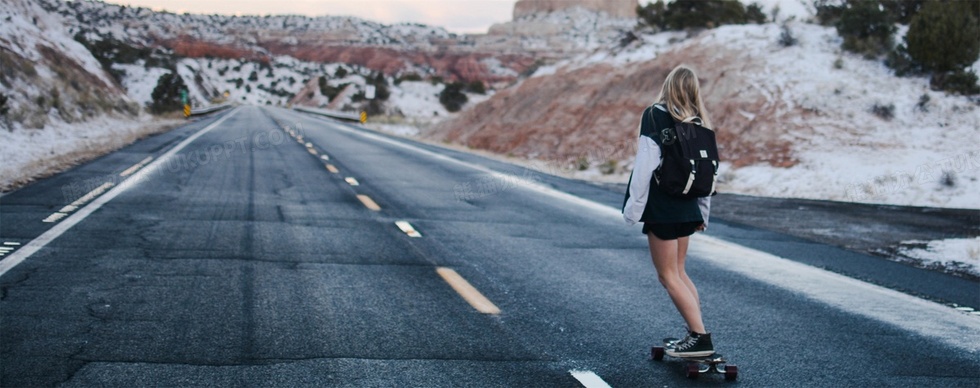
(682, 244)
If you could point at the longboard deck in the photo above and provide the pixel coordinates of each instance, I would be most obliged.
(698, 365)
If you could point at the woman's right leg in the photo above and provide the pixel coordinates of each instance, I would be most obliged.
(665, 259)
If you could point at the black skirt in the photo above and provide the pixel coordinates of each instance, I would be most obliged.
(671, 231)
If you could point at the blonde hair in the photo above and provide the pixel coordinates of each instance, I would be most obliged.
(681, 94)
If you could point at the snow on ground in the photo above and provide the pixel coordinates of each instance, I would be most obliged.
(28, 153)
(140, 81)
(26, 26)
(921, 149)
(417, 100)
(963, 253)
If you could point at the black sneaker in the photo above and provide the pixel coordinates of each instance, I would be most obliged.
(671, 342)
(695, 345)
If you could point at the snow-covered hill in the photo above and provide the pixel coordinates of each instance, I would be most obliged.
(805, 121)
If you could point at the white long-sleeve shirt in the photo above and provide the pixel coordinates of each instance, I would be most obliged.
(648, 158)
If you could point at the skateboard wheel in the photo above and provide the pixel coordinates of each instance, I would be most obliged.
(693, 370)
(731, 372)
(657, 353)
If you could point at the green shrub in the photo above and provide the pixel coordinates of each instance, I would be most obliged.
(960, 82)
(411, 77)
(476, 87)
(3, 104)
(341, 72)
(452, 97)
(692, 14)
(899, 60)
(903, 10)
(866, 27)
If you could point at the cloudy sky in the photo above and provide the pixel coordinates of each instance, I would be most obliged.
(460, 16)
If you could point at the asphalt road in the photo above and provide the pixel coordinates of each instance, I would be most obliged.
(248, 258)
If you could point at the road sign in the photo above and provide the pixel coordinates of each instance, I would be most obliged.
(183, 96)
(363, 117)
(369, 92)
(187, 111)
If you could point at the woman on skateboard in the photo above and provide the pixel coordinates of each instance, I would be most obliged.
(669, 221)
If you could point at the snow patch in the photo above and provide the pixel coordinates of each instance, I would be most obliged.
(959, 252)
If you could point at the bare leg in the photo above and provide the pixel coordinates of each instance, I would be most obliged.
(681, 259)
(666, 260)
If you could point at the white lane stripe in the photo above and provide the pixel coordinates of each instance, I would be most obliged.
(137, 166)
(910, 313)
(589, 379)
(92, 194)
(927, 318)
(11, 243)
(408, 228)
(352, 181)
(36, 244)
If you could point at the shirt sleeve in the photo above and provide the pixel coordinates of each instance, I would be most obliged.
(704, 203)
(647, 160)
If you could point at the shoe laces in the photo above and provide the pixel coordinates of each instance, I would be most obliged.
(687, 343)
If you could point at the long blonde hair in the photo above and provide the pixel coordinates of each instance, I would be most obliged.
(681, 94)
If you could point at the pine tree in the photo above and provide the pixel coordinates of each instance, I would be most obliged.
(166, 95)
(942, 38)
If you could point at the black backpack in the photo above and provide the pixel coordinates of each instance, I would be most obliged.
(689, 160)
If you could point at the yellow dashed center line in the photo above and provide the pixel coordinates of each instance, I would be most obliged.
(467, 291)
(368, 202)
(332, 169)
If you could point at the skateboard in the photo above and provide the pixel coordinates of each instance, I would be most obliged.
(697, 365)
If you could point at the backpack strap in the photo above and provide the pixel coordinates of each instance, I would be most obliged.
(694, 119)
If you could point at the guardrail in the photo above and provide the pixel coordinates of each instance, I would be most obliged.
(330, 113)
(214, 108)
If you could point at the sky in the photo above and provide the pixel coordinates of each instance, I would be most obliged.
(459, 16)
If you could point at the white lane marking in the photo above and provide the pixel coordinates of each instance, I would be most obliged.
(917, 315)
(589, 379)
(11, 243)
(324, 157)
(36, 244)
(927, 318)
(92, 194)
(136, 167)
(352, 181)
(408, 229)
(54, 217)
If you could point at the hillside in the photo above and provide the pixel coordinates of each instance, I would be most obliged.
(804, 121)
(62, 107)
